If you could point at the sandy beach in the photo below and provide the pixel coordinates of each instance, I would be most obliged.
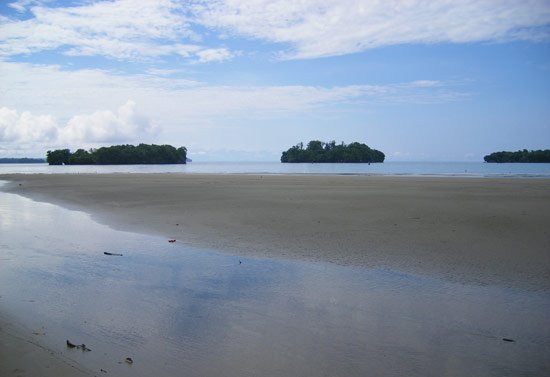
(480, 231)
(467, 247)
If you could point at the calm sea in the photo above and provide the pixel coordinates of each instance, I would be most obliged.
(466, 169)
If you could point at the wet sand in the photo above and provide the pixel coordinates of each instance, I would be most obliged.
(23, 354)
(476, 231)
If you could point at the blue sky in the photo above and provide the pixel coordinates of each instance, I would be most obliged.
(246, 79)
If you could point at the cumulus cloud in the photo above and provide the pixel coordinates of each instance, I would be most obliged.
(317, 28)
(105, 126)
(26, 127)
(124, 125)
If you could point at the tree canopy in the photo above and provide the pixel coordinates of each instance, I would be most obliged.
(519, 156)
(318, 151)
(119, 155)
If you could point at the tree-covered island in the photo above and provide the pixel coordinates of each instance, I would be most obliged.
(519, 156)
(318, 151)
(119, 155)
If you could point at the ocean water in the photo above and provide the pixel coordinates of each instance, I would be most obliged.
(464, 169)
(177, 310)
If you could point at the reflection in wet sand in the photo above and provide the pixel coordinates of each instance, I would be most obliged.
(181, 311)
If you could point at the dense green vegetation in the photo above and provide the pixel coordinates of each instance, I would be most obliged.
(519, 156)
(23, 160)
(318, 151)
(119, 155)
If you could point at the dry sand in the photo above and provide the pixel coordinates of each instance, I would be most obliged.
(480, 231)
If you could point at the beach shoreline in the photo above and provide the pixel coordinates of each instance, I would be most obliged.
(478, 231)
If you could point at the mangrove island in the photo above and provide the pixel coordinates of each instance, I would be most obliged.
(519, 156)
(318, 151)
(119, 155)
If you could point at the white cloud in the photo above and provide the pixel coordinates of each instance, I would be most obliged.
(142, 30)
(123, 29)
(26, 127)
(126, 125)
(162, 72)
(425, 83)
(105, 126)
(174, 101)
(317, 28)
(214, 55)
(21, 5)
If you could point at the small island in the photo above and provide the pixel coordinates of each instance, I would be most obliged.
(519, 156)
(21, 160)
(119, 155)
(318, 151)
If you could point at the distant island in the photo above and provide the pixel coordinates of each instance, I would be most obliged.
(318, 151)
(23, 160)
(519, 156)
(119, 155)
